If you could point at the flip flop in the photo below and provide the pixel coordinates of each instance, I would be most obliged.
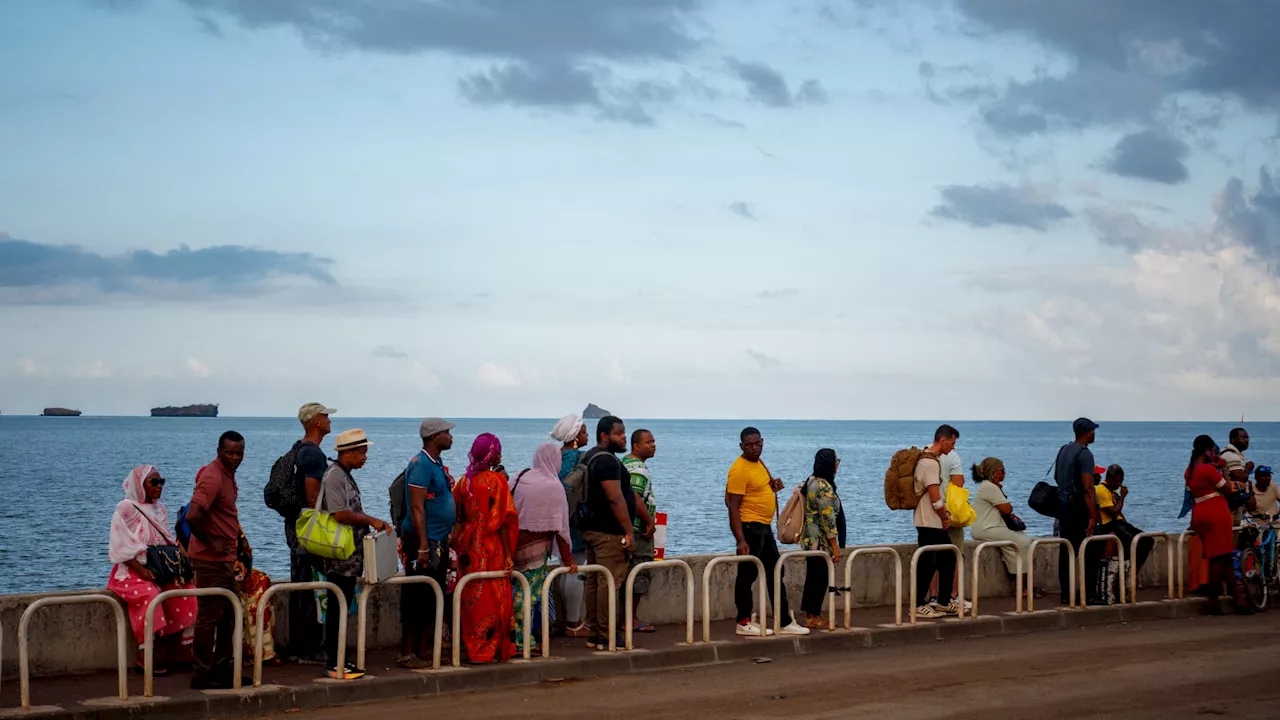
(644, 628)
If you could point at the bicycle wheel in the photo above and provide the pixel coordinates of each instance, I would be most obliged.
(1253, 579)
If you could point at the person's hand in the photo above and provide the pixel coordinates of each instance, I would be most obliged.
(1093, 525)
(1248, 468)
(649, 528)
(629, 543)
(145, 573)
(743, 548)
(573, 567)
(835, 555)
(240, 571)
(382, 526)
(775, 484)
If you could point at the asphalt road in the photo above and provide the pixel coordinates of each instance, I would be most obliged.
(1217, 667)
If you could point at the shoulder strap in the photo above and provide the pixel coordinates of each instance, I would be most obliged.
(320, 495)
(154, 524)
(516, 484)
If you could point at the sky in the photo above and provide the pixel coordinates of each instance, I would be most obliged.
(844, 209)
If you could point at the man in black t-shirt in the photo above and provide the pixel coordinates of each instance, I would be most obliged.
(1078, 515)
(606, 521)
(306, 634)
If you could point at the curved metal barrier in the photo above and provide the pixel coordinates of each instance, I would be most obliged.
(915, 560)
(761, 592)
(362, 613)
(1133, 566)
(457, 606)
(1031, 570)
(897, 581)
(1182, 561)
(1017, 577)
(777, 585)
(1080, 561)
(630, 601)
(122, 628)
(546, 609)
(149, 644)
(264, 603)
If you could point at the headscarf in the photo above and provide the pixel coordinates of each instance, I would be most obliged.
(987, 469)
(567, 429)
(539, 496)
(484, 451)
(134, 523)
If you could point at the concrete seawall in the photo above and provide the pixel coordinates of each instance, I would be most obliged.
(81, 638)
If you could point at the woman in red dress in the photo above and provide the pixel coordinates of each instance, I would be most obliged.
(485, 540)
(1211, 521)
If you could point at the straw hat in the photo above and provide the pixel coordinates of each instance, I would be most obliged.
(351, 440)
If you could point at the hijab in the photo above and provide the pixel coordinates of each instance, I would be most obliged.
(484, 452)
(136, 524)
(539, 496)
(567, 429)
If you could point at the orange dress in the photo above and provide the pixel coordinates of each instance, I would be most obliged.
(485, 539)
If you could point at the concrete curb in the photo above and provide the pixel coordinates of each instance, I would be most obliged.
(257, 701)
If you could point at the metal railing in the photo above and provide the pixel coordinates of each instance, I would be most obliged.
(761, 591)
(778, 590)
(1080, 554)
(260, 622)
(457, 606)
(897, 581)
(1182, 561)
(362, 613)
(546, 608)
(1017, 577)
(1031, 570)
(630, 600)
(149, 625)
(122, 627)
(915, 560)
(1133, 564)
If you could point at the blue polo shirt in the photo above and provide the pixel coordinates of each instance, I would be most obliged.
(426, 473)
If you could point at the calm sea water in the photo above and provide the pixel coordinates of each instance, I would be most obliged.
(62, 477)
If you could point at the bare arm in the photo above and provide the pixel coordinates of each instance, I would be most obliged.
(351, 517)
(1090, 499)
(935, 496)
(734, 503)
(313, 490)
(418, 503)
(1005, 508)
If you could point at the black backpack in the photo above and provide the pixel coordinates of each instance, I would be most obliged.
(399, 492)
(282, 493)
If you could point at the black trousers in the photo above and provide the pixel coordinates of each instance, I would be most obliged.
(760, 543)
(1074, 527)
(942, 562)
(306, 635)
(215, 621)
(816, 585)
(334, 613)
(418, 602)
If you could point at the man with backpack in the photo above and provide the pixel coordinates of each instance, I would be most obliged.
(426, 519)
(933, 524)
(606, 517)
(750, 497)
(286, 493)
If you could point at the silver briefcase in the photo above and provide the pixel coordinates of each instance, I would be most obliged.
(380, 558)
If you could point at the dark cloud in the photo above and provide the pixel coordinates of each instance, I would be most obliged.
(225, 268)
(1252, 219)
(743, 210)
(550, 53)
(766, 362)
(985, 206)
(768, 87)
(1150, 155)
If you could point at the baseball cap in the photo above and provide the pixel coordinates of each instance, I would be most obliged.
(434, 426)
(1099, 470)
(308, 412)
(1083, 425)
(1264, 469)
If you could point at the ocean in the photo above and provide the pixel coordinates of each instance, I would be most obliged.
(62, 477)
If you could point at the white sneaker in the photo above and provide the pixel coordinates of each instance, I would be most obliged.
(929, 612)
(750, 629)
(794, 628)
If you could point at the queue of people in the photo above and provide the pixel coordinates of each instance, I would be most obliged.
(588, 505)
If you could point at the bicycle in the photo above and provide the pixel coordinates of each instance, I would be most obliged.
(1256, 562)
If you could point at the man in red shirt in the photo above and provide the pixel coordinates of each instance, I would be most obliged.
(215, 530)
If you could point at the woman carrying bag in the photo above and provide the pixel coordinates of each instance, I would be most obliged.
(823, 530)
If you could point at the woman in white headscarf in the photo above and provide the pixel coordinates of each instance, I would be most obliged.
(139, 522)
(571, 433)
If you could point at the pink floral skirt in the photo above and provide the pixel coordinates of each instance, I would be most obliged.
(173, 616)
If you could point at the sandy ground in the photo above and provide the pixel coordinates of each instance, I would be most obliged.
(1226, 667)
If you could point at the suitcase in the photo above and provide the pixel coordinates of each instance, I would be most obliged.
(381, 560)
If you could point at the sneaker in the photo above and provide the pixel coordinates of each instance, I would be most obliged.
(750, 629)
(350, 672)
(794, 628)
(953, 608)
(412, 662)
(597, 643)
(929, 612)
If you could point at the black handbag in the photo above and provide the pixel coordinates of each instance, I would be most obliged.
(1014, 523)
(1045, 500)
(167, 563)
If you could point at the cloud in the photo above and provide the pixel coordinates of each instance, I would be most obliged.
(33, 268)
(493, 375)
(32, 367)
(197, 369)
(985, 206)
(95, 370)
(1150, 155)
(744, 210)
(388, 353)
(768, 87)
(1251, 219)
(766, 362)
(556, 86)
(777, 294)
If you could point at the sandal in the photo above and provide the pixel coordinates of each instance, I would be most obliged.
(577, 631)
(644, 627)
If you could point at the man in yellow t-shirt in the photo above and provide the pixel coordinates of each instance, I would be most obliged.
(750, 496)
(1111, 494)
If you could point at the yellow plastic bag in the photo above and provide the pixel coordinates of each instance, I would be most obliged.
(962, 513)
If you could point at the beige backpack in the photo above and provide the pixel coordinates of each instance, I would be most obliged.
(791, 520)
(900, 479)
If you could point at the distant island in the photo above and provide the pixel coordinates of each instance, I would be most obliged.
(594, 412)
(60, 412)
(203, 410)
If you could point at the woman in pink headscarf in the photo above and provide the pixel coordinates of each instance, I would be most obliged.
(544, 522)
(140, 521)
(485, 539)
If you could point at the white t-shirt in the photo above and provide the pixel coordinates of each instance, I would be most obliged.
(1234, 459)
(927, 473)
(1268, 500)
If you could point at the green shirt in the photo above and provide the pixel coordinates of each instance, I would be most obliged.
(641, 486)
